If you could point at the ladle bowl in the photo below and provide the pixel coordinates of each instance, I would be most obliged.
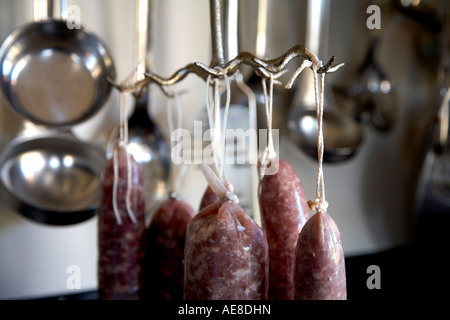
(52, 177)
(342, 136)
(53, 75)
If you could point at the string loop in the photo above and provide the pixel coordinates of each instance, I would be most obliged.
(319, 203)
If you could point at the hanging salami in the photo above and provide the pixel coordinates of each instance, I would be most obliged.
(226, 252)
(320, 265)
(284, 211)
(165, 250)
(319, 258)
(226, 255)
(165, 239)
(121, 223)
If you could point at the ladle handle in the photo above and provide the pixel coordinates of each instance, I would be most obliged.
(215, 11)
(231, 29)
(261, 32)
(317, 30)
(63, 9)
(45, 9)
(143, 52)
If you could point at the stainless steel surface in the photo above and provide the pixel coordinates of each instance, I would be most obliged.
(52, 177)
(55, 76)
(342, 135)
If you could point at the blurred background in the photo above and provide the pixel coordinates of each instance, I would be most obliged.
(389, 194)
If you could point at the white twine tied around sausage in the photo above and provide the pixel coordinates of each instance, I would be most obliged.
(122, 143)
(269, 152)
(319, 203)
(214, 172)
(176, 171)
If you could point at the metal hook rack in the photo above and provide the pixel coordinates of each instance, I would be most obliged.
(263, 67)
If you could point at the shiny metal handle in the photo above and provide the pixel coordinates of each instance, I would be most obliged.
(45, 9)
(63, 9)
(317, 26)
(231, 29)
(215, 11)
(42, 10)
(316, 39)
(261, 33)
(143, 52)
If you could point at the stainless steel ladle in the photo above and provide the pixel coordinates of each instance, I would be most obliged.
(50, 176)
(54, 75)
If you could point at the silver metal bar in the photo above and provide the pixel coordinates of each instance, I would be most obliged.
(317, 26)
(63, 9)
(215, 11)
(261, 33)
(316, 39)
(264, 68)
(143, 43)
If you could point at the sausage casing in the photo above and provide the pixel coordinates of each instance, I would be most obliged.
(121, 245)
(226, 255)
(284, 212)
(163, 267)
(208, 197)
(319, 261)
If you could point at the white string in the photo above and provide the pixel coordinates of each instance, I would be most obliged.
(123, 123)
(115, 186)
(211, 120)
(269, 152)
(175, 169)
(225, 116)
(123, 140)
(253, 125)
(269, 112)
(306, 63)
(129, 183)
(319, 203)
(214, 175)
(217, 124)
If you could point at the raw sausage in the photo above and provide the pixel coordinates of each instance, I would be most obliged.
(319, 261)
(163, 267)
(226, 255)
(121, 228)
(208, 197)
(284, 211)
